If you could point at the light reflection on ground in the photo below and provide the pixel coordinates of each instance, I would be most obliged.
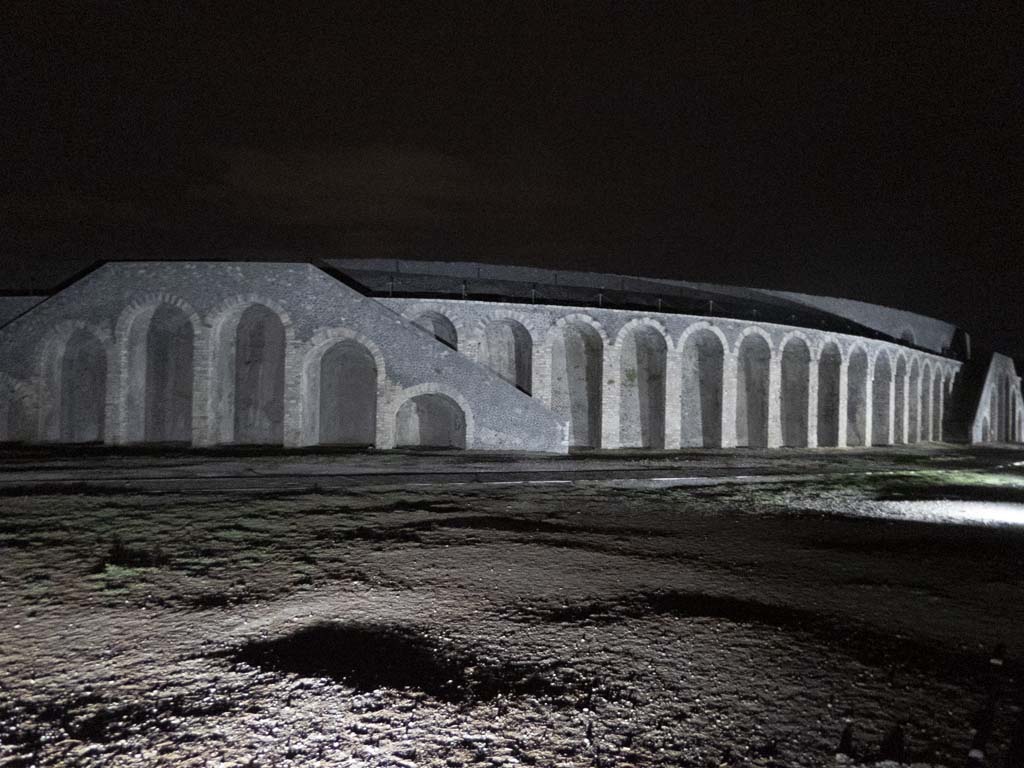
(960, 512)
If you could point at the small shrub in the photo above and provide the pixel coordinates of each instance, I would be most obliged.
(123, 556)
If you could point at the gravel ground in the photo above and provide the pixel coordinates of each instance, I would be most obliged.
(604, 624)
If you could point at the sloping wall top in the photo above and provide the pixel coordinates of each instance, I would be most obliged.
(845, 315)
(12, 306)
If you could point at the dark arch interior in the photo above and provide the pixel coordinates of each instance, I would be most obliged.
(169, 342)
(881, 399)
(642, 389)
(576, 367)
(752, 392)
(348, 395)
(828, 396)
(701, 391)
(430, 421)
(508, 351)
(856, 398)
(259, 377)
(440, 327)
(83, 389)
(796, 361)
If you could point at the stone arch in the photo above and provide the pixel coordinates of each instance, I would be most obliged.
(793, 399)
(926, 401)
(576, 347)
(1006, 400)
(900, 428)
(506, 347)
(641, 348)
(250, 341)
(157, 337)
(436, 409)
(914, 401)
(1016, 416)
(343, 389)
(753, 364)
(938, 383)
(438, 325)
(15, 406)
(881, 397)
(830, 360)
(753, 330)
(74, 371)
(702, 353)
(856, 398)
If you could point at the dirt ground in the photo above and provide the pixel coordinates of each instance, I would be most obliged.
(624, 621)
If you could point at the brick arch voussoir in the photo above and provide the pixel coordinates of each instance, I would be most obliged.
(798, 335)
(578, 317)
(458, 322)
(479, 327)
(643, 322)
(140, 304)
(325, 338)
(236, 305)
(433, 388)
(694, 328)
(884, 351)
(753, 330)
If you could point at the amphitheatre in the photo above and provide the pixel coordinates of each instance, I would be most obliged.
(388, 353)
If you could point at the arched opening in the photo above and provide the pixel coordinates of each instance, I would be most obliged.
(1006, 402)
(348, 395)
(856, 399)
(576, 360)
(508, 351)
(1015, 413)
(9, 426)
(440, 327)
(937, 399)
(259, 377)
(828, 395)
(752, 369)
(926, 403)
(430, 421)
(83, 389)
(914, 403)
(907, 336)
(796, 361)
(168, 376)
(899, 424)
(702, 358)
(642, 356)
(881, 400)
(986, 432)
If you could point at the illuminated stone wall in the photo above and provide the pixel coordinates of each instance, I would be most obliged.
(225, 353)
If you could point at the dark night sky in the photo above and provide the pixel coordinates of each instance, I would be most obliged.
(832, 150)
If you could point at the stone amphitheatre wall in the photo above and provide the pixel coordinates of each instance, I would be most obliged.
(623, 378)
(224, 353)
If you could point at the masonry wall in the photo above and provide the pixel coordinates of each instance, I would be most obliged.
(999, 416)
(285, 353)
(752, 385)
(312, 311)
